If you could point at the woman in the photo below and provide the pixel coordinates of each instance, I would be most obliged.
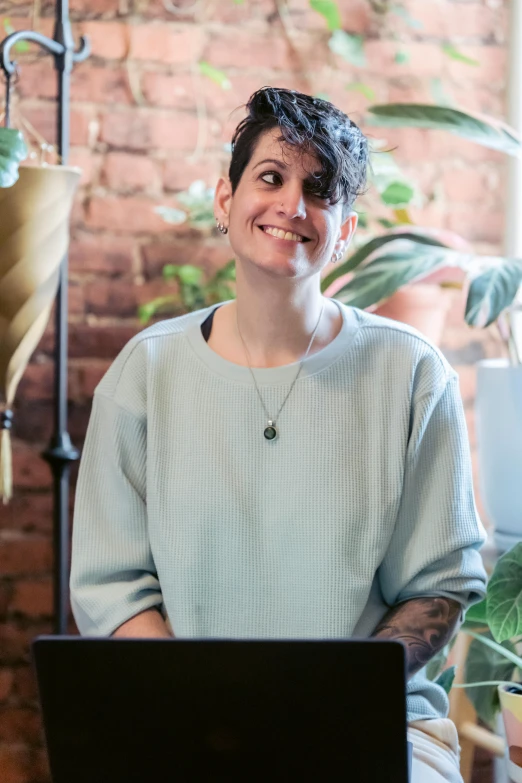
(282, 465)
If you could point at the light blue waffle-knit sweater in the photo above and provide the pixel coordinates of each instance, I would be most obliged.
(365, 499)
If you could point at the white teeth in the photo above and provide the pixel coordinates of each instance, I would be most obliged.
(280, 234)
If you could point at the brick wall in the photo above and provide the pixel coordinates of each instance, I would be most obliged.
(134, 127)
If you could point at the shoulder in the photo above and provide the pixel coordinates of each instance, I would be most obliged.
(396, 350)
(125, 381)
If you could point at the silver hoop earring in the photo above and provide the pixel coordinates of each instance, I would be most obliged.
(221, 227)
(337, 257)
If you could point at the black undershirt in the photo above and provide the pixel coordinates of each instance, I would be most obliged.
(206, 326)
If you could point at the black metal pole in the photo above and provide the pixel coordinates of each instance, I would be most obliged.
(60, 453)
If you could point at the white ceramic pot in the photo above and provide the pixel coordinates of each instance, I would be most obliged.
(499, 436)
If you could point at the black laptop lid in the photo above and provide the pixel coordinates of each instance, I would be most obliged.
(152, 711)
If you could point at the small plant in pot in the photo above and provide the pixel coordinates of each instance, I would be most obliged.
(493, 674)
(13, 151)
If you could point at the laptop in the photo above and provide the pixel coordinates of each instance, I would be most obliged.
(176, 710)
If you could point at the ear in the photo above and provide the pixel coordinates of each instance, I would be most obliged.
(346, 232)
(222, 200)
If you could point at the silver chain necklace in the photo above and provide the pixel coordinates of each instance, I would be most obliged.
(270, 432)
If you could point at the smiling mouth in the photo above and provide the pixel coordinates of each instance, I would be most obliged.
(278, 233)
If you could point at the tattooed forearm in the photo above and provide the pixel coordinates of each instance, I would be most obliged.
(423, 625)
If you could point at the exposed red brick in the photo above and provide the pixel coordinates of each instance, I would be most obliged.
(103, 342)
(38, 382)
(233, 48)
(90, 375)
(130, 173)
(25, 686)
(25, 555)
(6, 683)
(29, 470)
(33, 598)
(20, 725)
(179, 173)
(109, 40)
(130, 215)
(28, 513)
(100, 84)
(111, 298)
(15, 764)
(105, 255)
(145, 129)
(166, 43)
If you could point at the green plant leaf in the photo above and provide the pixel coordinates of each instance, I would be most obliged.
(403, 12)
(383, 276)
(439, 93)
(397, 193)
(437, 663)
(349, 47)
(504, 607)
(216, 75)
(147, 310)
(454, 53)
(170, 271)
(477, 613)
(385, 223)
(364, 89)
(362, 253)
(20, 46)
(330, 10)
(170, 215)
(445, 678)
(493, 290)
(13, 150)
(190, 275)
(483, 130)
(402, 57)
(483, 664)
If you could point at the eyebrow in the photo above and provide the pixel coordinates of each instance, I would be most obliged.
(283, 166)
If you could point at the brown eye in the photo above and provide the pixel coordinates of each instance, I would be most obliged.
(270, 174)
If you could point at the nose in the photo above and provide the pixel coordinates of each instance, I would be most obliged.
(291, 201)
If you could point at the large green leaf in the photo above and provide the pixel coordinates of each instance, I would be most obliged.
(505, 596)
(482, 665)
(454, 53)
(349, 47)
(370, 247)
(475, 127)
(12, 151)
(397, 193)
(445, 678)
(493, 290)
(382, 277)
(330, 10)
(477, 614)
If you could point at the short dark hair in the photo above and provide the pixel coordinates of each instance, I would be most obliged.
(314, 126)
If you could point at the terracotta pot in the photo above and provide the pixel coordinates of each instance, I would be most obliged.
(423, 306)
(511, 704)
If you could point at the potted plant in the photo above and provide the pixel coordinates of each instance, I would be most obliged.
(35, 204)
(493, 670)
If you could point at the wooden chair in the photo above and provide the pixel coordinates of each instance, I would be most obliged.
(463, 714)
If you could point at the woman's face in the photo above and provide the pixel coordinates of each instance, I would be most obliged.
(274, 221)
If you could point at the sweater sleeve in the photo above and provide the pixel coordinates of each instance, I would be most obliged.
(113, 576)
(433, 550)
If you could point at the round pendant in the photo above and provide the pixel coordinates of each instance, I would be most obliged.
(270, 431)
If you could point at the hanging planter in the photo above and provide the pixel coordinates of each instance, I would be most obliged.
(34, 237)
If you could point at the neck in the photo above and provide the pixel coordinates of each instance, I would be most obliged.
(277, 328)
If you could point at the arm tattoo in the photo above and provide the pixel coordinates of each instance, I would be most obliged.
(423, 625)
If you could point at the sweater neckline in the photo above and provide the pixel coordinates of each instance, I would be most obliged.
(271, 376)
